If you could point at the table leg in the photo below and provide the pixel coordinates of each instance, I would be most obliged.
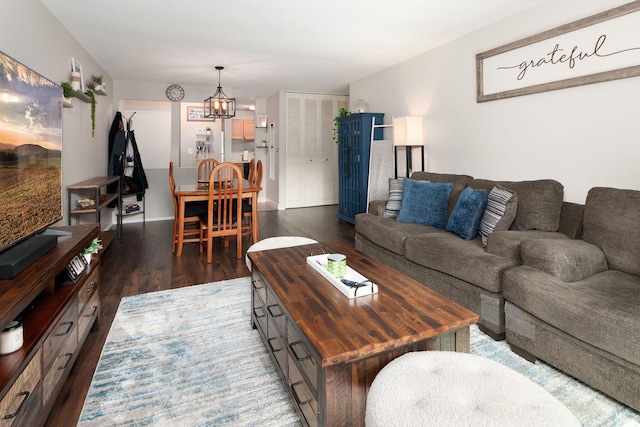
(180, 226)
(254, 217)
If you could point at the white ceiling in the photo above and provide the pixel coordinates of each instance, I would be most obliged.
(297, 45)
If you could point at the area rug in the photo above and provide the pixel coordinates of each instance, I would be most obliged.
(189, 357)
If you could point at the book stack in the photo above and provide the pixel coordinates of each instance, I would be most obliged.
(132, 208)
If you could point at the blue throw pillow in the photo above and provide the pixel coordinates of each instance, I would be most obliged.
(465, 218)
(424, 203)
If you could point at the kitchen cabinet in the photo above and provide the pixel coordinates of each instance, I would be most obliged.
(242, 130)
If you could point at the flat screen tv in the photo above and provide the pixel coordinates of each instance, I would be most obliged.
(30, 152)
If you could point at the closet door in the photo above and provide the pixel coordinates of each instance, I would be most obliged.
(294, 190)
(312, 155)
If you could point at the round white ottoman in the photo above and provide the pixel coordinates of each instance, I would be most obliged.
(275, 243)
(442, 388)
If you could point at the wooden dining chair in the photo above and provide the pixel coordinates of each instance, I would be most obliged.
(204, 169)
(224, 216)
(255, 180)
(252, 170)
(191, 220)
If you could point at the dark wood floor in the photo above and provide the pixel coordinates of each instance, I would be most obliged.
(141, 261)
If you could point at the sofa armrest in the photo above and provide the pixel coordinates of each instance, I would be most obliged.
(507, 243)
(376, 207)
(566, 259)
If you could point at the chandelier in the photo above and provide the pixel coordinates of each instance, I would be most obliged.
(219, 105)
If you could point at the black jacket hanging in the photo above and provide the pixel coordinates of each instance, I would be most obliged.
(139, 177)
(118, 141)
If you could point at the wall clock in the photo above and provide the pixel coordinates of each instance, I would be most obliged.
(175, 93)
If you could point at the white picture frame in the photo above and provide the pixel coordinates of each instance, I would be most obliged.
(599, 48)
(196, 114)
(77, 67)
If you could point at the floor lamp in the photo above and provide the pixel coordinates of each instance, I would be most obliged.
(408, 133)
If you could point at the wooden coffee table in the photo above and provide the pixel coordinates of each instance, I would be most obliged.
(328, 348)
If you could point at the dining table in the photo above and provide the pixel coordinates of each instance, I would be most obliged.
(200, 191)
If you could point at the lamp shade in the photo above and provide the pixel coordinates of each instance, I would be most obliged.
(407, 131)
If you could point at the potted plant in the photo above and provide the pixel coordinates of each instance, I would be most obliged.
(67, 92)
(94, 247)
(98, 83)
(336, 124)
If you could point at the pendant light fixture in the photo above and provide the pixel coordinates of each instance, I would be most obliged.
(220, 105)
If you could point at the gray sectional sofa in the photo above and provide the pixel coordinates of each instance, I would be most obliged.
(563, 281)
(464, 270)
(576, 303)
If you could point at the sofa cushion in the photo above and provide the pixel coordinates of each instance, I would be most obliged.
(568, 260)
(463, 259)
(465, 218)
(459, 183)
(612, 222)
(502, 205)
(388, 233)
(507, 243)
(396, 188)
(539, 202)
(571, 218)
(424, 203)
(601, 310)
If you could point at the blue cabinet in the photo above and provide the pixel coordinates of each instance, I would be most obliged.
(354, 149)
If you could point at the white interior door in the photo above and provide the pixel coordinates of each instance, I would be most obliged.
(153, 136)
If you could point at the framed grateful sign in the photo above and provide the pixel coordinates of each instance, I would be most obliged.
(598, 48)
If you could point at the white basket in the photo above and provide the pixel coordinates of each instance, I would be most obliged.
(319, 263)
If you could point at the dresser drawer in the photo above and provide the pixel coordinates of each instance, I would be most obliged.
(259, 285)
(59, 333)
(302, 354)
(62, 364)
(87, 290)
(302, 395)
(20, 396)
(277, 347)
(89, 315)
(259, 313)
(276, 313)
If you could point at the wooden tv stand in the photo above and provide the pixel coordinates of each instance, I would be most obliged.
(56, 320)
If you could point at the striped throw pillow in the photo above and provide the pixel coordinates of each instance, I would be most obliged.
(500, 212)
(396, 188)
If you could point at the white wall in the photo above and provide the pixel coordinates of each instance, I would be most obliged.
(275, 186)
(583, 137)
(32, 36)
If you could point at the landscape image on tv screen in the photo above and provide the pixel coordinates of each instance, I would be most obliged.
(30, 152)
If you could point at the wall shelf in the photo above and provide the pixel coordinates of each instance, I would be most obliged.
(92, 187)
(83, 97)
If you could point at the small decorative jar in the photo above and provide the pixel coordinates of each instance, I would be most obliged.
(11, 338)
